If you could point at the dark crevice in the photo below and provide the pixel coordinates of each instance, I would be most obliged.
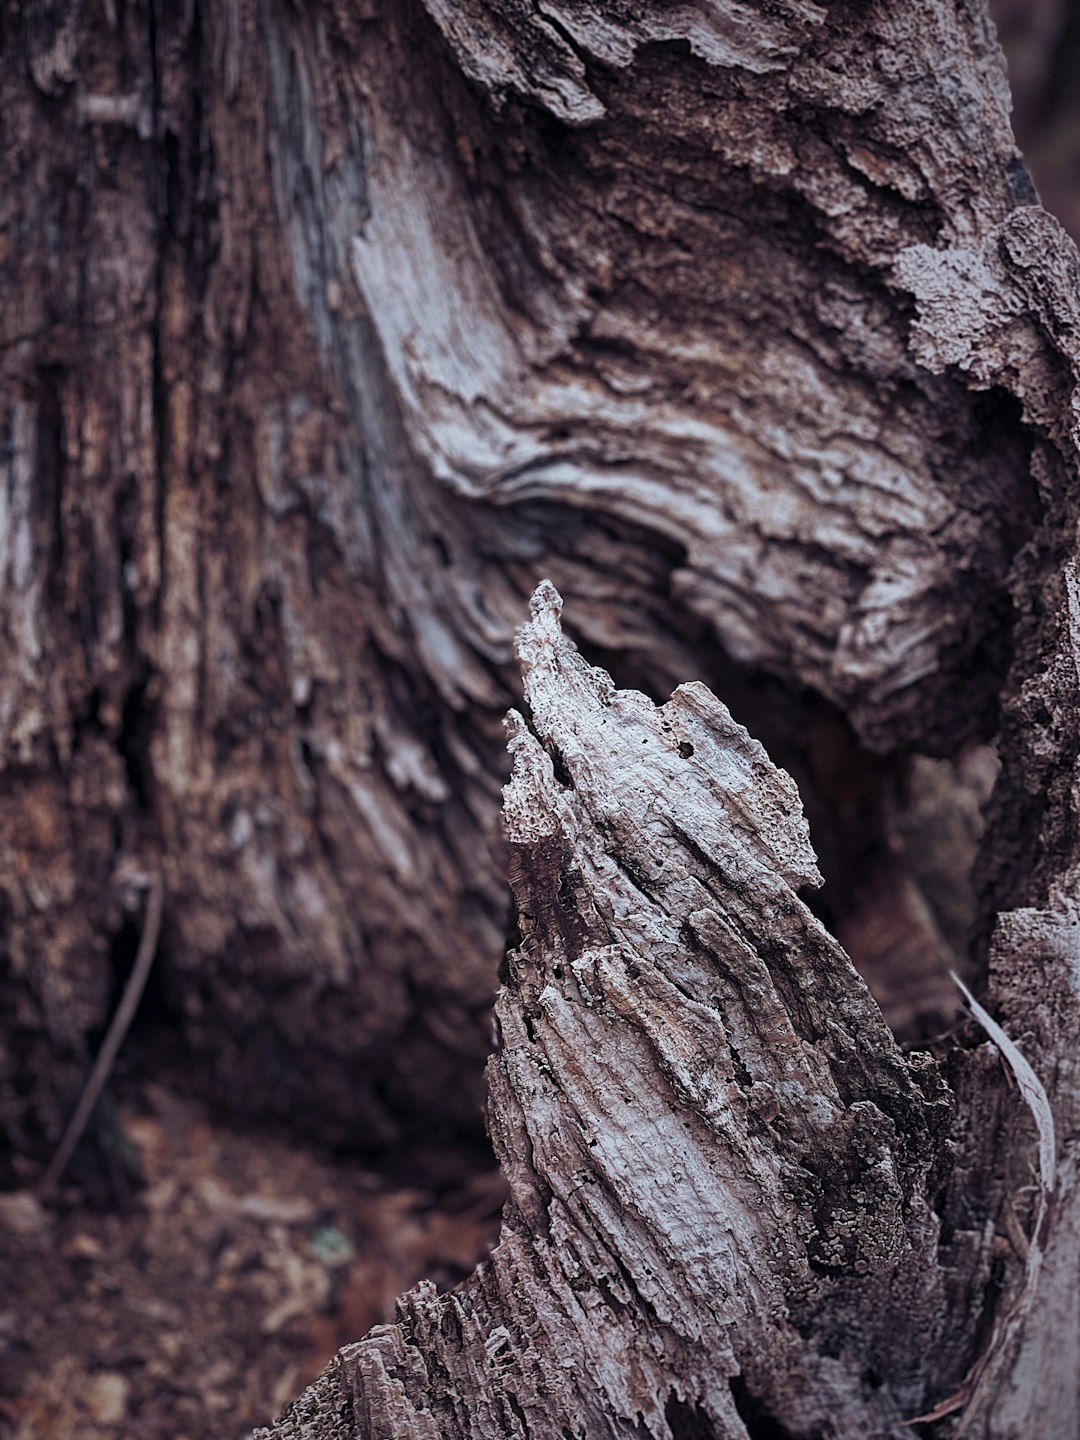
(138, 722)
(572, 44)
(513, 939)
(686, 1420)
(156, 1011)
(743, 1077)
(105, 1167)
(760, 1423)
(559, 765)
(512, 1402)
(50, 446)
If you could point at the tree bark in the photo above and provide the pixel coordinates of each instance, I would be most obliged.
(717, 1157)
(328, 332)
(736, 1209)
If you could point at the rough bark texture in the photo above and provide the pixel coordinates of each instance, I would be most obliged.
(327, 332)
(736, 1209)
(610, 999)
(717, 1157)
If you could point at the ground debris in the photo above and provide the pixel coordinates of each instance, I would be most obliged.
(224, 1288)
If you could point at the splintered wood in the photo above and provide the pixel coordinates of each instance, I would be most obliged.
(709, 1134)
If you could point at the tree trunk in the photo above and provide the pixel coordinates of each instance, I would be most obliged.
(736, 1209)
(330, 331)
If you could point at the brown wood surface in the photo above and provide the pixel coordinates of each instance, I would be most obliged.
(328, 333)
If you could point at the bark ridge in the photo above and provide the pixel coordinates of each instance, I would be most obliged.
(717, 1156)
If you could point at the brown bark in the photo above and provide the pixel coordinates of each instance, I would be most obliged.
(328, 332)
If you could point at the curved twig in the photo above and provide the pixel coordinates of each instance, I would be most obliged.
(114, 1038)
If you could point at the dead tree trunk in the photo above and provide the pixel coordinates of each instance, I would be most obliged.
(328, 332)
(736, 1209)
(718, 1159)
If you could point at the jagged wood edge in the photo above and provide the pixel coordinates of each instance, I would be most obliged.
(710, 1137)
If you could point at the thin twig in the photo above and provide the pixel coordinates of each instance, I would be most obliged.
(114, 1038)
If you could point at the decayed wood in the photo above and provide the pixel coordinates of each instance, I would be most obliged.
(1002, 1357)
(341, 325)
(1011, 309)
(727, 1185)
(327, 331)
(717, 1157)
(680, 314)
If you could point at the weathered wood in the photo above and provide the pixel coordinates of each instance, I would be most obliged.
(328, 331)
(717, 1156)
(1001, 1330)
(681, 313)
(727, 1185)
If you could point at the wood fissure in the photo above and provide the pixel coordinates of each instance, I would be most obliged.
(727, 1217)
(328, 332)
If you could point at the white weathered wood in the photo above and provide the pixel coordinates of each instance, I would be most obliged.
(640, 350)
(717, 1156)
(721, 1168)
(377, 313)
(588, 342)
